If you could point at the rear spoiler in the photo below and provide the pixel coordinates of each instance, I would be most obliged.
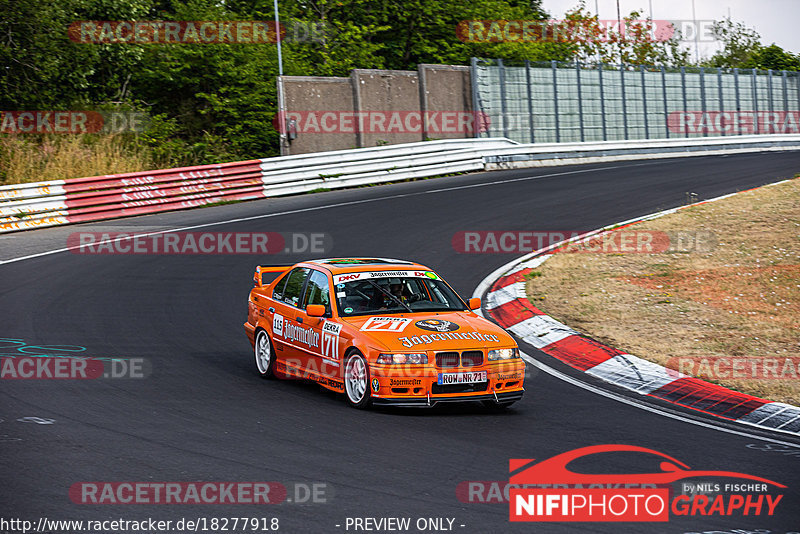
(263, 269)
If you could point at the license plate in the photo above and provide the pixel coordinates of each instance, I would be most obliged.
(462, 378)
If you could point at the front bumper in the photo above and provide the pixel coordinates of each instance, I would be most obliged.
(418, 386)
(429, 402)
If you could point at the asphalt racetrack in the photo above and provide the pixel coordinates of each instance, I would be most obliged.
(203, 414)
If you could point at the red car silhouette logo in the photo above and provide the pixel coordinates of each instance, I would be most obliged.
(554, 470)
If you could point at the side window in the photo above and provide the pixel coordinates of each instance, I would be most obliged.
(277, 293)
(317, 291)
(293, 287)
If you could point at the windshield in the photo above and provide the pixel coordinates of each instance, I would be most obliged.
(396, 294)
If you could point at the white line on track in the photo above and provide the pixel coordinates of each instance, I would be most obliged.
(644, 406)
(317, 208)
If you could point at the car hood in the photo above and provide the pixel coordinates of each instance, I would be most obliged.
(441, 331)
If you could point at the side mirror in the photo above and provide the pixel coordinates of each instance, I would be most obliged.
(315, 310)
(474, 303)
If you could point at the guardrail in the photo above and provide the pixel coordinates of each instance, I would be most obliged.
(96, 198)
(550, 154)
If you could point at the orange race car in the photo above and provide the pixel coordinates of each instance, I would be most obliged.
(381, 332)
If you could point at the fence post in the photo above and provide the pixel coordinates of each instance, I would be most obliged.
(721, 99)
(602, 102)
(755, 102)
(503, 104)
(685, 111)
(736, 85)
(785, 92)
(555, 99)
(644, 105)
(477, 114)
(580, 97)
(703, 107)
(624, 103)
(530, 99)
(769, 89)
(664, 92)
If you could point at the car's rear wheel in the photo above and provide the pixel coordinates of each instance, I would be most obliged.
(356, 381)
(265, 356)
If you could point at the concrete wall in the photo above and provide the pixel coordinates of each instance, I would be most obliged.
(318, 94)
(445, 89)
(382, 91)
(389, 105)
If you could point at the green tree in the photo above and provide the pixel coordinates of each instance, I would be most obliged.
(773, 57)
(222, 96)
(215, 102)
(637, 44)
(400, 35)
(742, 48)
(43, 69)
(739, 44)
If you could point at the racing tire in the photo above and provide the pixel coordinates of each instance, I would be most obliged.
(356, 381)
(264, 354)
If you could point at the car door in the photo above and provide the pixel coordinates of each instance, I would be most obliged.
(288, 318)
(325, 357)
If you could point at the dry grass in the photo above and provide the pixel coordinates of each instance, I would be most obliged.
(741, 299)
(57, 157)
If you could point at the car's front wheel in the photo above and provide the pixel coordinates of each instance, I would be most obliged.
(265, 357)
(356, 381)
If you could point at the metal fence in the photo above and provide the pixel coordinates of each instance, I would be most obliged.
(559, 102)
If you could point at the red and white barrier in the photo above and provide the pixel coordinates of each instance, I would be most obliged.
(121, 195)
(96, 198)
(506, 302)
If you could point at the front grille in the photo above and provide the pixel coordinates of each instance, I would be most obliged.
(447, 359)
(471, 358)
(468, 358)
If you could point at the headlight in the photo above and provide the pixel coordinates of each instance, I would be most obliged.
(503, 354)
(417, 358)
